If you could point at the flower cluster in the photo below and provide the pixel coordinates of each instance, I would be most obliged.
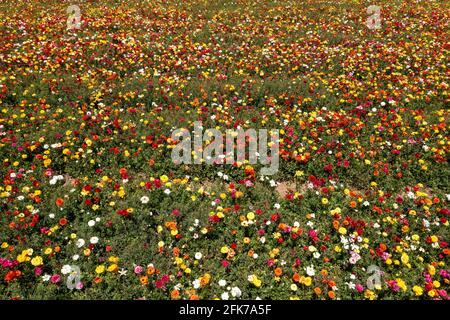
(93, 207)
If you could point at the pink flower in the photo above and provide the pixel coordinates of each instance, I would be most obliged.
(55, 278)
(159, 284)
(359, 288)
(138, 269)
(38, 271)
(79, 285)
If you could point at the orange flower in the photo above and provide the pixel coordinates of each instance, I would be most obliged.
(195, 297)
(143, 280)
(331, 294)
(335, 224)
(278, 272)
(296, 277)
(317, 290)
(63, 221)
(150, 270)
(204, 281)
(98, 280)
(175, 294)
(353, 204)
(59, 202)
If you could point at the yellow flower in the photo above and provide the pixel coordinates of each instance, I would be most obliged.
(224, 249)
(306, 281)
(401, 284)
(404, 258)
(257, 282)
(113, 268)
(250, 216)
(418, 290)
(368, 294)
(342, 230)
(48, 251)
(4, 245)
(100, 269)
(431, 270)
(37, 261)
(164, 178)
(324, 201)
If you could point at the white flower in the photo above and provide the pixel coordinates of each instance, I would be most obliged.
(145, 199)
(93, 240)
(250, 278)
(51, 215)
(310, 271)
(294, 287)
(80, 243)
(366, 203)
(198, 255)
(91, 223)
(222, 283)
(225, 296)
(255, 256)
(276, 206)
(45, 277)
(66, 269)
(236, 292)
(196, 284)
(167, 191)
(350, 285)
(123, 272)
(316, 255)
(75, 257)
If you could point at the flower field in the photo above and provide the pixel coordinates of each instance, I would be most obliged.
(93, 207)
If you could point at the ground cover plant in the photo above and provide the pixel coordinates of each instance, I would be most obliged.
(93, 207)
